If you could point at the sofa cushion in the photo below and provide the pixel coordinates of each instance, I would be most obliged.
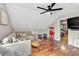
(7, 40)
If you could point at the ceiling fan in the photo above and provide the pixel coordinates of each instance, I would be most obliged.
(49, 9)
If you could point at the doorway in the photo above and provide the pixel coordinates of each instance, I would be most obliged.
(64, 31)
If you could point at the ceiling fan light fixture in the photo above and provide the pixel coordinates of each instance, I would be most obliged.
(49, 13)
(49, 9)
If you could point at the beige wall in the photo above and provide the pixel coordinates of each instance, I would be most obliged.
(4, 29)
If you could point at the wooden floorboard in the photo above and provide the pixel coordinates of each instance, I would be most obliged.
(50, 49)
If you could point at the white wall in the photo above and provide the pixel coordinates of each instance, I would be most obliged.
(73, 37)
(56, 24)
(57, 31)
(4, 30)
(25, 18)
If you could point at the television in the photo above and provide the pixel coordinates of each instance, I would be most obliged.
(73, 23)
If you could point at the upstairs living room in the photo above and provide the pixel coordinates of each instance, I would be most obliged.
(39, 29)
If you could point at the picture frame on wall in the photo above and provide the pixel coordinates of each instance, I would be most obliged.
(3, 18)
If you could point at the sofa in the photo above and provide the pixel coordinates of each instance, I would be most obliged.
(10, 46)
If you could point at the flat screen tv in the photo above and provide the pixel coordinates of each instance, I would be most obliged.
(73, 23)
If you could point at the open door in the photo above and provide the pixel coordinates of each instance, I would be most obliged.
(64, 31)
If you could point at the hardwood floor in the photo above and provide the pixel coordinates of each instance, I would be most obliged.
(47, 48)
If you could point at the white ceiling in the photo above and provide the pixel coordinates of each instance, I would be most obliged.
(26, 16)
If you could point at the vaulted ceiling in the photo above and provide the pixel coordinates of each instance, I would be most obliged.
(26, 16)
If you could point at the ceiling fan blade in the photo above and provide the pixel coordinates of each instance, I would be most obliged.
(52, 5)
(44, 12)
(41, 8)
(56, 9)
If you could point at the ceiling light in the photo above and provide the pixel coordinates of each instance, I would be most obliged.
(49, 13)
